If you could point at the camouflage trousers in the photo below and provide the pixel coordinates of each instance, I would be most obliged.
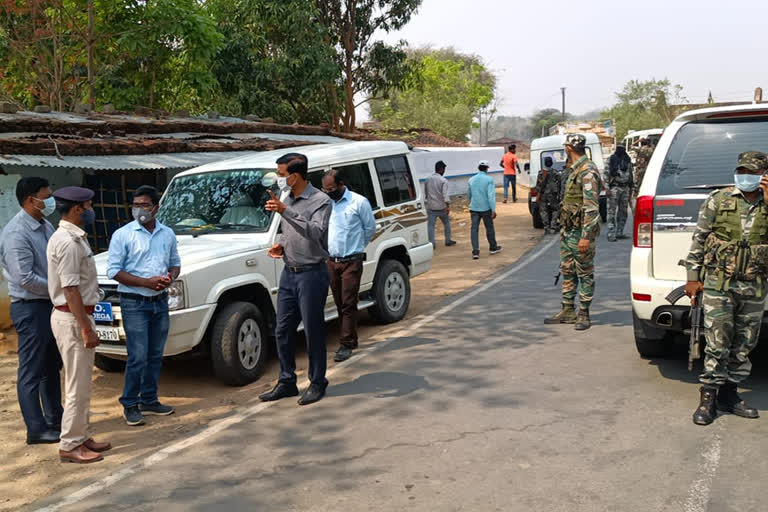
(731, 328)
(549, 211)
(618, 203)
(577, 269)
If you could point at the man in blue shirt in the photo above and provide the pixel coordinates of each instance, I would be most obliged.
(350, 230)
(482, 205)
(22, 253)
(144, 259)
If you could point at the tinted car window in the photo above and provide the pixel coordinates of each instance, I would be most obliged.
(395, 179)
(559, 157)
(358, 178)
(704, 154)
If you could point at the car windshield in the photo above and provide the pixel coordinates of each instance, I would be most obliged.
(222, 201)
(703, 154)
(559, 157)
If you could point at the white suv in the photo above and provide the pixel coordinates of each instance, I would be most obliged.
(696, 154)
(223, 303)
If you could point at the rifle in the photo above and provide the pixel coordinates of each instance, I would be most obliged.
(696, 316)
(557, 277)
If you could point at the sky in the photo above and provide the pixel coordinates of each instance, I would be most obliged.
(593, 47)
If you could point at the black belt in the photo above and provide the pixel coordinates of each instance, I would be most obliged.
(143, 298)
(305, 268)
(347, 259)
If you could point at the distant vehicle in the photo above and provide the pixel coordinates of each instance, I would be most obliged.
(696, 154)
(552, 147)
(653, 135)
(223, 303)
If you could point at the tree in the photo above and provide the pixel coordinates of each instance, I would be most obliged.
(444, 91)
(644, 104)
(275, 61)
(544, 119)
(368, 67)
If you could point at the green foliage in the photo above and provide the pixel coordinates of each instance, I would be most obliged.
(275, 61)
(643, 105)
(543, 120)
(444, 92)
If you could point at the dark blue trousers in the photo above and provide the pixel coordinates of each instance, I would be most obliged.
(301, 297)
(38, 384)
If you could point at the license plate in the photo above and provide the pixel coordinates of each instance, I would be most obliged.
(103, 312)
(107, 333)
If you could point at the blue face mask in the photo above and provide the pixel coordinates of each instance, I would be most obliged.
(49, 206)
(88, 217)
(747, 182)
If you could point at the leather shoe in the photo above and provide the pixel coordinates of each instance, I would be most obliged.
(45, 437)
(96, 446)
(342, 354)
(282, 390)
(80, 455)
(313, 394)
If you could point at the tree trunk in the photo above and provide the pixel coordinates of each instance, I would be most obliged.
(91, 89)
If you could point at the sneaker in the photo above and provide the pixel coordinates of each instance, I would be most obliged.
(133, 416)
(156, 409)
(450, 243)
(497, 250)
(475, 256)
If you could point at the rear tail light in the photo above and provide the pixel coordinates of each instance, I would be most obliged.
(533, 192)
(644, 222)
(644, 297)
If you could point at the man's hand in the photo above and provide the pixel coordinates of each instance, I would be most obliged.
(276, 251)
(447, 210)
(274, 204)
(692, 288)
(494, 214)
(584, 245)
(158, 283)
(90, 338)
(764, 187)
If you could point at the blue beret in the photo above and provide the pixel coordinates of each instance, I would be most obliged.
(74, 194)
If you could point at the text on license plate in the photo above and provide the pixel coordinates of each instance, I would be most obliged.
(103, 312)
(107, 333)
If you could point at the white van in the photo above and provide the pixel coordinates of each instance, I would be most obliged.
(552, 147)
(223, 303)
(652, 136)
(696, 154)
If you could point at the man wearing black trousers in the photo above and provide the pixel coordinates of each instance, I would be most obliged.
(303, 289)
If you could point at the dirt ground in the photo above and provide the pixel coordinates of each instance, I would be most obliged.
(32, 472)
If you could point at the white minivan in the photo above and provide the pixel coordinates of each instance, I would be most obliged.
(696, 154)
(552, 147)
(223, 303)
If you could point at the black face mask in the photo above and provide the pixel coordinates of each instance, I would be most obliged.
(336, 194)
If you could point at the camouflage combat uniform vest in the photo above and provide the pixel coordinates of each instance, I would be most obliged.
(571, 212)
(728, 254)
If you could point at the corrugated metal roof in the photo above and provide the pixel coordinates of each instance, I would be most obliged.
(120, 163)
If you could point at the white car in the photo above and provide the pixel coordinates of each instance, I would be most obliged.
(696, 154)
(223, 303)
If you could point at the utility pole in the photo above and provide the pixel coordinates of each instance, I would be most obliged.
(91, 93)
(562, 89)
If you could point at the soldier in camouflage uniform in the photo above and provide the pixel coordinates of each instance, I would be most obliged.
(728, 261)
(579, 230)
(548, 186)
(619, 180)
(643, 155)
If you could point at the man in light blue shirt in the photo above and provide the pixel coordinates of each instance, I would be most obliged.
(22, 254)
(350, 230)
(482, 205)
(144, 259)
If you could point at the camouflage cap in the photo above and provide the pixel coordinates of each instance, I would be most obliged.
(576, 141)
(754, 161)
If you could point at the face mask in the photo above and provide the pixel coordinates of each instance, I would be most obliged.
(142, 215)
(747, 182)
(282, 183)
(336, 194)
(88, 217)
(49, 205)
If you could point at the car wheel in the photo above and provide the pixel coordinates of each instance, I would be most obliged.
(239, 344)
(109, 364)
(391, 292)
(650, 341)
(537, 223)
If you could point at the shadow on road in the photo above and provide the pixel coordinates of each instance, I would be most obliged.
(381, 385)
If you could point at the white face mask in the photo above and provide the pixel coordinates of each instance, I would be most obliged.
(282, 183)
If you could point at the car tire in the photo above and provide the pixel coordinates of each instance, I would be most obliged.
(650, 341)
(239, 344)
(109, 364)
(537, 223)
(391, 292)
(603, 206)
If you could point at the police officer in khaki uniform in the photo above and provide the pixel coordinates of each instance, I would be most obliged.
(73, 286)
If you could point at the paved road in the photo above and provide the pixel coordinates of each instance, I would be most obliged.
(480, 408)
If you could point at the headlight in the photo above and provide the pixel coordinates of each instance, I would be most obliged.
(176, 296)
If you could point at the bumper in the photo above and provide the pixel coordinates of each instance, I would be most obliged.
(421, 259)
(187, 329)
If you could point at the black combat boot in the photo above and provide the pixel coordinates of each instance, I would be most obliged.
(706, 412)
(582, 320)
(566, 316)
(728, 400)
